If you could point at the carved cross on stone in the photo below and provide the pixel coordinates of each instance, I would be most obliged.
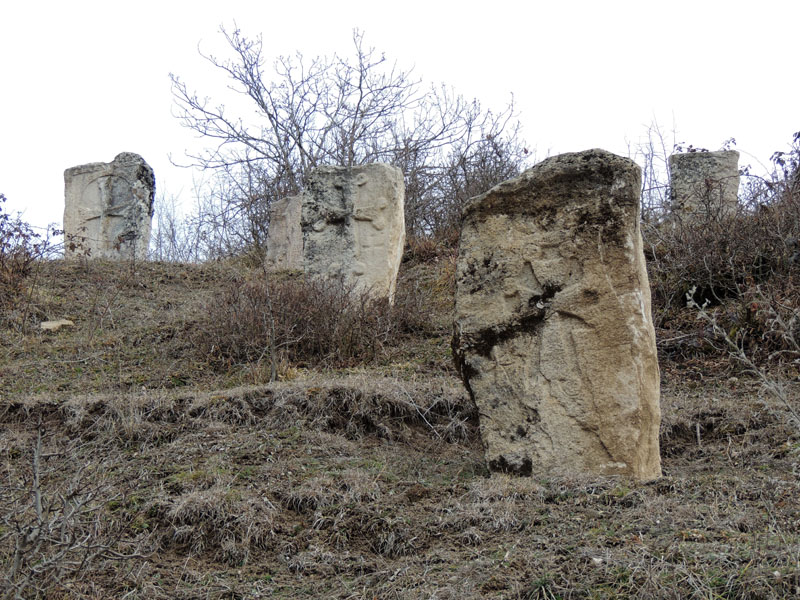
(109, 206)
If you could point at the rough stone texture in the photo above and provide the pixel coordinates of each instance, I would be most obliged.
(109, 208)
(704, 182)
(55, 325)
(354, 226)
(553, 333)
(284, 237)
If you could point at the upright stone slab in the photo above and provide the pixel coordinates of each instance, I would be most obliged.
(553, 332)
(109, 208)
(703, 183)
(284, 236)
(354, 226)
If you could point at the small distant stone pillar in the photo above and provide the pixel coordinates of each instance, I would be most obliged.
(553, 334)
(284, 236)
(704, 183)
(353, 225)
(109, 208)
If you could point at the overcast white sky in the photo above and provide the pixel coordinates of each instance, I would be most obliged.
(81, 81)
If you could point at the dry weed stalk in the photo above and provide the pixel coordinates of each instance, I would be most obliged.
(736, 351)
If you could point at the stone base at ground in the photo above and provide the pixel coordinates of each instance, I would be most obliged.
(553, 331)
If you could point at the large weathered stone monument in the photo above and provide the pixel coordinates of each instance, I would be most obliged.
(353, 225)
(284, 236)
(553, 335)
(704, 183)
(109, 208)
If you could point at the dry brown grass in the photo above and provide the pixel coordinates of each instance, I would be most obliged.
(132, 329)
(365, 482)
(287, 322)
(155, 326)
(347, 487)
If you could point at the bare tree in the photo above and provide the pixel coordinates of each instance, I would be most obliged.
(171, 240)
(652, 153)
(345, 111)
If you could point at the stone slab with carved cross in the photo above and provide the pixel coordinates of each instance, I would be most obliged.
(109, 208)
(353, 225)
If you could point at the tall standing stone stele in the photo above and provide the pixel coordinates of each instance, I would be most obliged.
(704, 183)
(109, 208)
(353, 225)
(553, 333)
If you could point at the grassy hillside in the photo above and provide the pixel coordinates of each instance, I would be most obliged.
(136, 466)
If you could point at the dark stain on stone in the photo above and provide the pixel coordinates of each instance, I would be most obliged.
(146, 175)
(467, 372)
(336, 219)
(481, 342)
(550, 290)
(501, 465)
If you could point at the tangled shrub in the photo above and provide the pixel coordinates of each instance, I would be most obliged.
(720, 256)
(426, 248)
(745, 267)
(304, 322)
(19, 249)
